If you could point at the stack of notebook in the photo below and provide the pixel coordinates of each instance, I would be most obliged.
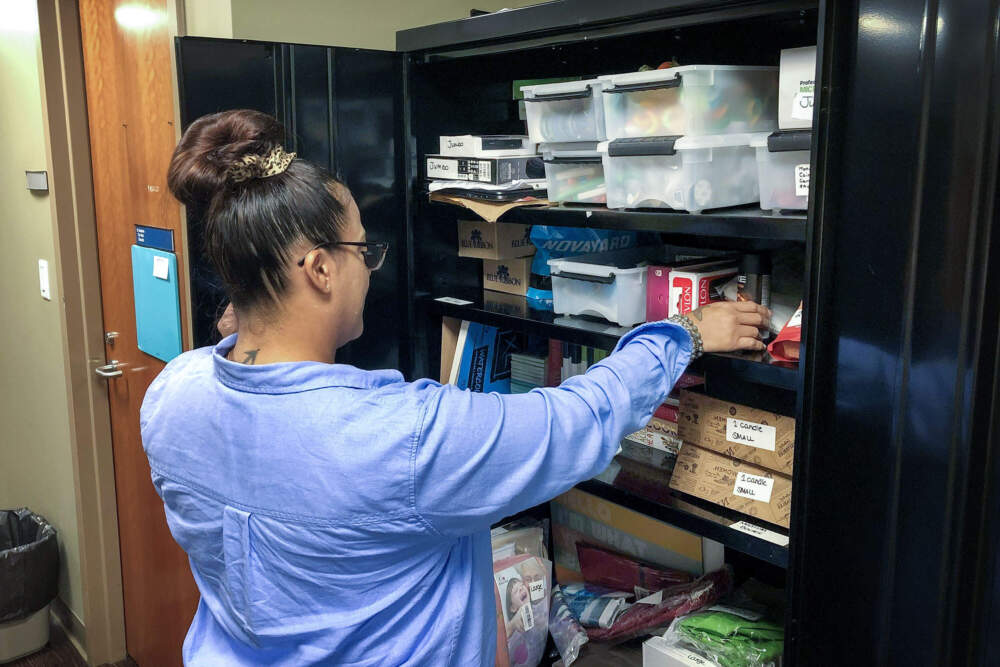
(526, 373)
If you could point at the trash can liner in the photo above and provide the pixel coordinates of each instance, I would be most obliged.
(29, 564)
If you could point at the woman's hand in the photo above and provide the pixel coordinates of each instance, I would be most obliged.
(727, 326)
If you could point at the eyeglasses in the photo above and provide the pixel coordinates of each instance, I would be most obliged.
(373, 252)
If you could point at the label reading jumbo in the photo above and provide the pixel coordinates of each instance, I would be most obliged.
(802, 103)
(742, 432)
(753, 487)
(802, 180)
(442, 168)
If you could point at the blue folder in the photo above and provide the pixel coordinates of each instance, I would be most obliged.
(157, 302)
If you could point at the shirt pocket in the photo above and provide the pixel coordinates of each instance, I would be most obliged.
(236, 549)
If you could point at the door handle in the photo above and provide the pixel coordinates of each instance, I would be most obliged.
(111, 370)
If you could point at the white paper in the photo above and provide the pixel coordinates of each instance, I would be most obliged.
(686, 657)
(443, 169)
(523, 184)
(537, 590)
(453, 301)
(762, 533)
(753, 487)
(802, 180)
(484, 170)
(802, 105)
(527, 616)
(161, 267)
(741, 432)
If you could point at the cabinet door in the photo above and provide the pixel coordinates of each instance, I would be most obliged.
(341, 108)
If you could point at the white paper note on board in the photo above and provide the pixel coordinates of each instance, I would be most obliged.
(743, 432)
(802, 180)
(161, 268)
(754, 487)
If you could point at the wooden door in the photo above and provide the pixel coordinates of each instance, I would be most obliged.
(127, 57)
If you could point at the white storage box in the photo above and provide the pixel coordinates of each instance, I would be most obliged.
(797, 88)
(575, 173)
(783, 170)
(611, 285)
(683, 173)
(692, 100)
(565, 112)
(658, 652)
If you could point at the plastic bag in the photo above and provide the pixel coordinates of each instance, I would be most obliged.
(567, 633)
(737, 632)
(595, 606)
(556, 242)
(29, 564)
(617, 572)
(524, 584)
(661, 608)
(523, 536)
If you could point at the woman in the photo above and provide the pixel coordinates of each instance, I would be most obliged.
(339, 516)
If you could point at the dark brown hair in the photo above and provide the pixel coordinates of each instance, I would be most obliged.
(251, 226)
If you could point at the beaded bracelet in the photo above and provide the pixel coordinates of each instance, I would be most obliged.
(697, 347)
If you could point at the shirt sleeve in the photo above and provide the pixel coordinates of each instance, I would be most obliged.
(481, 457)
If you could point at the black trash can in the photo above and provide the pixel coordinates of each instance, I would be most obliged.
(29, 581)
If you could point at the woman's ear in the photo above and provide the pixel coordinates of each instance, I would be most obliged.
(320, 269)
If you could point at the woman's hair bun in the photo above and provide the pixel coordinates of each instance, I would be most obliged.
(211, 145)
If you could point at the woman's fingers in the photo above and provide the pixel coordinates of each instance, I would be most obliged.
(752, 319)
(743, 331)
(748, 343)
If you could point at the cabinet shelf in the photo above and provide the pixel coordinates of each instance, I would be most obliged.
(701, 518)
(744, 223)
(510, 312)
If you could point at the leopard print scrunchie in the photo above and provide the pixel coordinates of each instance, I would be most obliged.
(272, 163)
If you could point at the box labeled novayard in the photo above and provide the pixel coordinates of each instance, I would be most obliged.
(507, 275)
(734, 484)
(493, 240)
(759, 437)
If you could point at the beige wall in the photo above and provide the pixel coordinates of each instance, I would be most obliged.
(369, 24)
(36, 463)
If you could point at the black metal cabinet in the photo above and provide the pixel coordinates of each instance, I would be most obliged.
(896, 512)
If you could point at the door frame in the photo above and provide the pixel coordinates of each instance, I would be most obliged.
(101, 634)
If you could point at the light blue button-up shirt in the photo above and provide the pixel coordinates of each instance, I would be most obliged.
(341, 517)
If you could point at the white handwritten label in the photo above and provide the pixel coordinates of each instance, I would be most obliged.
(742, 432)
(686, 657)
(527, 617)
(802, 180)
(453, 301)
(802, 105)
(161, 268)
(762, 533)
(753, 487)
(443, 169)
(537, 589)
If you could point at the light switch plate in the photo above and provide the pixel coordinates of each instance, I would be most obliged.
(43, 279)
(37, 180)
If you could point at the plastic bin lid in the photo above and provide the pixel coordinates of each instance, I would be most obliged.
(656, 75)
(669, 145)
(569, 149)
(546, 89)
(789, 140)
(604, 264)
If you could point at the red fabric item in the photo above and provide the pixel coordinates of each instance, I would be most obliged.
(667, 412)
(620, 573)
(676, 601)
(785, 347)
(553, 365)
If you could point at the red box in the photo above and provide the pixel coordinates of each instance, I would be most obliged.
(694, 286)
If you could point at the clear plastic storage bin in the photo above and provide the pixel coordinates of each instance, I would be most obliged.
(691, 100)
(565, 112)
(575, 172)
(783, 170)
(683, 173)
(611, 285)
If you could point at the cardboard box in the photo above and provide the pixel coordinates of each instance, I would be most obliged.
(796, 88)
(507, 275)
(759, 437)
(661, 432)
(507, 304)
(695, 285)
(732, 483)
(578, 516)
(494, 240)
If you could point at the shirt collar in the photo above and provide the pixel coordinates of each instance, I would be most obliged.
(293, 376)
